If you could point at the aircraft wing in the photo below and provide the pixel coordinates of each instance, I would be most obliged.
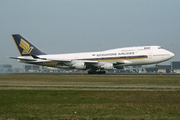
(68, 61)
(71, 63)
(78, 64)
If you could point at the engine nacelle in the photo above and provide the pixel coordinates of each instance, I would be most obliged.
(79, 65)
(108, 66)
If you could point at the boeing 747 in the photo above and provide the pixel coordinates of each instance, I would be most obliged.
(95, 62)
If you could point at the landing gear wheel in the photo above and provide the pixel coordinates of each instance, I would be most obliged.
(100, 72)
(103, 72)
(96, 72)
(91, 72)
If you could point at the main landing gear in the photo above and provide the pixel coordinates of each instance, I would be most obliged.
(96, 72)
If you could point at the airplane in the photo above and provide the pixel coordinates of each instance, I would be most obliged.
(95, 62)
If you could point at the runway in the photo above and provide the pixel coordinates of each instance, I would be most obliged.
(86, 86)
(107, 74)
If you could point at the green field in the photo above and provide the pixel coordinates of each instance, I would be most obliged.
(29, 103)
(91, 80)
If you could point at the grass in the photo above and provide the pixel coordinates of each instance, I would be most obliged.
(68, 104)
(34, 103)
(91, 80)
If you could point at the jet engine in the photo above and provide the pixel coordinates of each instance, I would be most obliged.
(108, 66)
(79, 65)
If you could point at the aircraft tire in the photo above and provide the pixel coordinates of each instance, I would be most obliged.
(96, 72)
(91, 72)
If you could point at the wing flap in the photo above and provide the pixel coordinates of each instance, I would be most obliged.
(91, 62)
(119, 62)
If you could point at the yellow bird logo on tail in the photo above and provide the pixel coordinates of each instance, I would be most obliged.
(25, 46)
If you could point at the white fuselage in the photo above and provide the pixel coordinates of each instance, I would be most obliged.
(117, 57)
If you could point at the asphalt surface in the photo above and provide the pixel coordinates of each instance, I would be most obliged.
(85, 86)
(169, 74)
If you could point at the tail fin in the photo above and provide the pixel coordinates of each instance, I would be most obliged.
(24, 47)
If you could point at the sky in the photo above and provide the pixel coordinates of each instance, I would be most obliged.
(70, 26)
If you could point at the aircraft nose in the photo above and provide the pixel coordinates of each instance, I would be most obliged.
(171, 54)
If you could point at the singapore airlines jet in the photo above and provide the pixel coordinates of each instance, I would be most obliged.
(95, 62)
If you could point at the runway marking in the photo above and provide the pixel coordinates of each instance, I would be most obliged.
(85, 86)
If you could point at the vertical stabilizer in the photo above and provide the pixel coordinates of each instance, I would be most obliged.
(25, 47)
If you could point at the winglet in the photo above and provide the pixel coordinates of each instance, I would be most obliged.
(25, 47)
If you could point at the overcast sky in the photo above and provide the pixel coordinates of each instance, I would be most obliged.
(68, 26)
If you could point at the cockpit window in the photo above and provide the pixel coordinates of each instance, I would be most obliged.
(160, 48)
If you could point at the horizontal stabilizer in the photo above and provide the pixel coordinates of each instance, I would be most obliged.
(34, 56)
(22, 59)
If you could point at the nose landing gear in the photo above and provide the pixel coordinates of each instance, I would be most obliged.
(156, 68)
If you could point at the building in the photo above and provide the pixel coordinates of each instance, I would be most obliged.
(5, 68)
(31, 68)
(161, 69)
(176, 66)
(164, 68)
